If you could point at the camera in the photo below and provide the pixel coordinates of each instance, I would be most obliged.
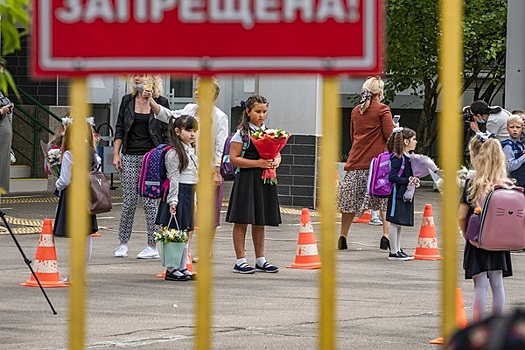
(4, 101)
(467, 115)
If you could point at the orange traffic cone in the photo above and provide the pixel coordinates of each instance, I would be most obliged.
(427, 248)
(96, 234)
(307, 255)
(461, 316)
(45, 263)
(189, 265)
(363, 219)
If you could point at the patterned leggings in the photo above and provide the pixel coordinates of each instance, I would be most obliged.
(129, 181)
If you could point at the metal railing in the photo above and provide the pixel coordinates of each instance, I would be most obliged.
(32, 118)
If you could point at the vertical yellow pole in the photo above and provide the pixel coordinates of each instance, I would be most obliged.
(329, 149)
(77, 214)
(450, 142)
(205, 212)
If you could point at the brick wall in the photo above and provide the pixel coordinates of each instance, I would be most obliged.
(297, 172)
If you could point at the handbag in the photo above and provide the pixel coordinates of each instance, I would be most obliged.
(100, 199)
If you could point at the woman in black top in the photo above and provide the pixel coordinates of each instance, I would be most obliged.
(136, 132)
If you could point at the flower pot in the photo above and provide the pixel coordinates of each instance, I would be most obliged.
(171, 254)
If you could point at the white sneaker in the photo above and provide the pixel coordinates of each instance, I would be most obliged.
(376, 222)
(149, 253)
(121, 251)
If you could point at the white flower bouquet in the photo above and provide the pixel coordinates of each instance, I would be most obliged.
(53, 159)
(170, 235)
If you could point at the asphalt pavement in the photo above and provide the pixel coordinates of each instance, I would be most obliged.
(380, 304)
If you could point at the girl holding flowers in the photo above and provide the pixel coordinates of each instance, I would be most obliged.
(176, 210)
(252, 201)
(400, 211)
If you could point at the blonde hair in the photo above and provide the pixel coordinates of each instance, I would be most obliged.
(375, 86)
(154, 80)
(490, 165)
(515, 119)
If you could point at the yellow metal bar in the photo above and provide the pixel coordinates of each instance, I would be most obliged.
(450, 142)
(205, 212)
(329, 149)
(77, 220)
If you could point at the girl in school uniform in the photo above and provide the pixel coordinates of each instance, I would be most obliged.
(251, 201)
(484, 267)
(177, 209)
(400, 212)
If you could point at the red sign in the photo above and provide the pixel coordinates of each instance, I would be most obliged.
(80, 37)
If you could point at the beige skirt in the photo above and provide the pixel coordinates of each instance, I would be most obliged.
(352, 196)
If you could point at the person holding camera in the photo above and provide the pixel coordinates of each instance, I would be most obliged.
(494, 117)
(6, 136)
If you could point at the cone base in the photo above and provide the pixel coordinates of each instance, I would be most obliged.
(33, 283)
(437, 341)
(96, 234)
(311, 266)
(427, 257)
(161, 275)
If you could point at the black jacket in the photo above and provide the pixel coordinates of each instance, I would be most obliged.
(158, 131)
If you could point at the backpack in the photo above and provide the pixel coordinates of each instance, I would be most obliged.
(378, 184)
(153, 181)
(502, 220)
(227, 169)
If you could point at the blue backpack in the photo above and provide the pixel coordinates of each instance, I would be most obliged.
(153, 181)
(227, 169)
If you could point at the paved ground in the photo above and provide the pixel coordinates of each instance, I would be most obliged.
(381, 304)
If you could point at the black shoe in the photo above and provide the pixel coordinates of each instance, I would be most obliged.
(266, 267)
(397, 256)
(341, 244)
(409, 257)
(384, 243)
(189, 274)
(244, 268)
(171, 276)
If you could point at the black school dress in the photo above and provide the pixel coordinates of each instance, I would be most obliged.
(251, 201)
(398, 211)
(477, 260)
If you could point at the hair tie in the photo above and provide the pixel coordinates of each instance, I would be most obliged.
(484, 136)
(243, 104)
(365, 96)
(397, 129)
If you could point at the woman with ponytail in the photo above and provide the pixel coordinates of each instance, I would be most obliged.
(370, 126)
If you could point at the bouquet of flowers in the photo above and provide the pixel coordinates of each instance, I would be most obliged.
(53, 159)
(422, 165)
(169, 235)
(461, 176)
(269, 143)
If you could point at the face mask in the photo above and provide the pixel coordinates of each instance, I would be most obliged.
(482, 121)
(140, 87)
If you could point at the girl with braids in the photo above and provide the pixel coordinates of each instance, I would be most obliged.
(399, 211)
(483, 266)
(370, 126)
(181, 169)
(251, 201)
